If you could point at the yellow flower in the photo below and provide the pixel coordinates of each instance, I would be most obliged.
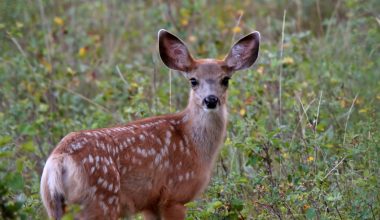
(363, 110)
(242, 112)
(135, 85)
(310, 158)
(236, 29)
(58, 21)
(260, 69)
(184, 22)
(19, 24)
(47, 65)
(228, 141)
(70, 71)
(288, 60)
(82, 52)
(192, 38)
(342, 103)
(359, 101)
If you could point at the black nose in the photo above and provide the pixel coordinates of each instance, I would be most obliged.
(211, 101)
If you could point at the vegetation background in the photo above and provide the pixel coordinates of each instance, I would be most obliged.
(303, 138)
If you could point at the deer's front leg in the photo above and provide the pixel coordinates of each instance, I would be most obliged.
(174, 212)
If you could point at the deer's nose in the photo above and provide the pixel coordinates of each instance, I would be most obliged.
(211, 101)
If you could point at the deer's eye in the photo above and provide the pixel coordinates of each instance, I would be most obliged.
(224, 81)
(193, 82)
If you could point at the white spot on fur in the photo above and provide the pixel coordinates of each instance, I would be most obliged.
(111, 199)
(159, 141)
(84, 160)
(157, 159)
(100, 180)
(124, 171)
(105, 184)
(104, 207)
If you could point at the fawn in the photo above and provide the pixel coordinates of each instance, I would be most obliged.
(153, 165)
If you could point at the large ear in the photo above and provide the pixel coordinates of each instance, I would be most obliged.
(174, 52)
(244, 52)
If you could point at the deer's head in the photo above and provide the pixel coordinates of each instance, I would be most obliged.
(208, 77)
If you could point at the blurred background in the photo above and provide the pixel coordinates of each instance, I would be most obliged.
(303, 135)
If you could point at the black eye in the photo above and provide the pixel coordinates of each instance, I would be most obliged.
(225, 81)
(193, 82)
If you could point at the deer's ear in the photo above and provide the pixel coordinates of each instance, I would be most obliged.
(244, 52)
(174, 52)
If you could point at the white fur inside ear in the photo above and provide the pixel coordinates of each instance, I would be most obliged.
(244, 52)
(236, 56)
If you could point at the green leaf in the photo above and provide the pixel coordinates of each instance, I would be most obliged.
(311, 213)
(237, 204)
(216, 204)
(28, 146)
(5, 140)
(15, 181)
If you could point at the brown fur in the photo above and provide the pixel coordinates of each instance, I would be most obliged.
(154, 165)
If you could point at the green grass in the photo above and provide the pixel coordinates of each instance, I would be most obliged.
(311, 151)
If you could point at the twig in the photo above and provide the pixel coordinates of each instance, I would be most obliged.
(317, 119)
(348, 117)
(280, 78)
(268, 162)
(14, 40)
(46, 35)
(332, 15)
(303, 108)
(121, 75)
(334, 168)
(236, 25)
(344, 138)
(319, 16)
(301, 118)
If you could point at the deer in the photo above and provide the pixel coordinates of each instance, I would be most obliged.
(152, 166)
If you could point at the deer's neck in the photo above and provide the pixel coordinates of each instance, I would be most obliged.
(207, 130)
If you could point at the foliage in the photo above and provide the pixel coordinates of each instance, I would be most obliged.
(303, 138)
